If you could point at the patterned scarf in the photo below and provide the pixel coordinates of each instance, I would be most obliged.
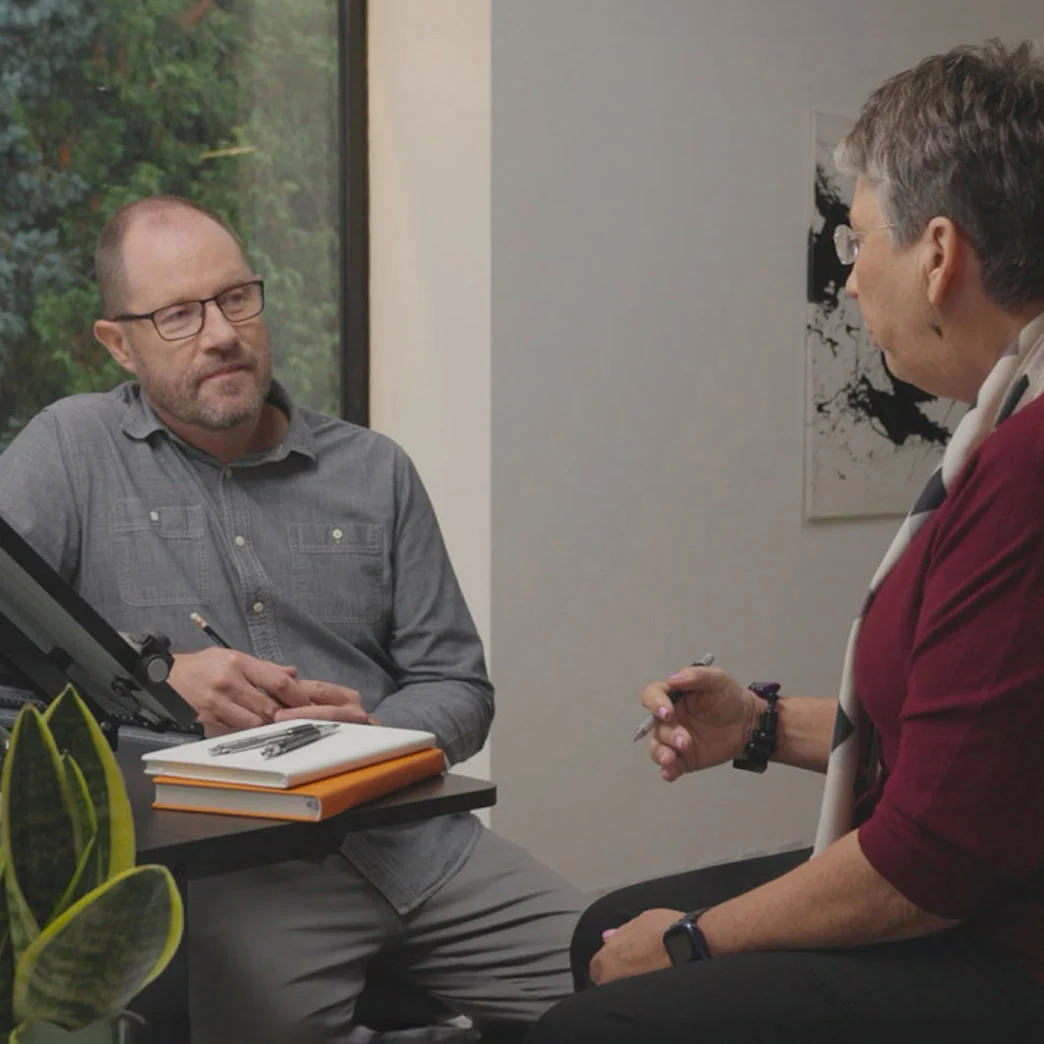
(1016, 380)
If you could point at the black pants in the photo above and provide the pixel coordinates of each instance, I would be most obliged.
(943, 988)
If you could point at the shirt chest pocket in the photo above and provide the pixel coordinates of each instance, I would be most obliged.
(338, 571)
(161, 553)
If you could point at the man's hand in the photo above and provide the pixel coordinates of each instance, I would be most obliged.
(224, 687)
(327, 702)
(634, 948)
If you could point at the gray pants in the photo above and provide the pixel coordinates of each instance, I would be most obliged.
(280, 954)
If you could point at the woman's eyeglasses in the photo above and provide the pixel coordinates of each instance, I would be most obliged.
(847, 242)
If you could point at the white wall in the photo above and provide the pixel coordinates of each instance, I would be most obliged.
(615, 451)
(430, 292)
(650, 208)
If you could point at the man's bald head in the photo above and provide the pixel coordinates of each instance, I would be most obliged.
(108, 257)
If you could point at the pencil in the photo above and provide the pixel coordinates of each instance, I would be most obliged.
(209, 631)
(218, 640)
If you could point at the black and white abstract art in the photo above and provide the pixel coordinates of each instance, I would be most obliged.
(871, 441)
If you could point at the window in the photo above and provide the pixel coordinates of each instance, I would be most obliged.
(255, 108)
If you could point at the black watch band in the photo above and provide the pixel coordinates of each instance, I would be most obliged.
(765, 737)
(683, 940)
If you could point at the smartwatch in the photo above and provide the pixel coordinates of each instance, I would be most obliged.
(684, 941)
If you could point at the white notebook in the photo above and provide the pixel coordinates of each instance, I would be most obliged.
(351, 746)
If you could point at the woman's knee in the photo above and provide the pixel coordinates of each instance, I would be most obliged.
(567, 1022)
(610, 911)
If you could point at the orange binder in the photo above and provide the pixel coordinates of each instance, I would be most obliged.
(317, 800)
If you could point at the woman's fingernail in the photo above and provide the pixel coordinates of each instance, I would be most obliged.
(661, 713)
(679, 677)
(680, 743)
(608, 932)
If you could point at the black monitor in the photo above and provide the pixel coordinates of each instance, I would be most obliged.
(50, 636)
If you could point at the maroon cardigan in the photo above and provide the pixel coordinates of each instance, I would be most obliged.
(950, 668)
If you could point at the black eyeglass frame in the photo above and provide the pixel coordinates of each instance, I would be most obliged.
(151, 316)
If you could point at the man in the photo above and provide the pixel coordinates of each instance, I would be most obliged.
(310, 544)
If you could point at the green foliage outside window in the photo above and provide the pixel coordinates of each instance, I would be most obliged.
(231, 104)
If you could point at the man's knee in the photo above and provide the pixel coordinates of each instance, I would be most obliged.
(280, 952)
(267, 1021)
(256, 998)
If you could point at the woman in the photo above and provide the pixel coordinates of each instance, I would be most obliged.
(920, 915)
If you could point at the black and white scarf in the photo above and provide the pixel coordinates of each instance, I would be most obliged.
(1016, 380)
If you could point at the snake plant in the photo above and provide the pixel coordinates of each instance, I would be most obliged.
(82, 929)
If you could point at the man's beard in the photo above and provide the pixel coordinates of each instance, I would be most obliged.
(183, 401)
(218, 416)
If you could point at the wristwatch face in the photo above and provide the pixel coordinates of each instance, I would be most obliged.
(678, 943)
(684, 941)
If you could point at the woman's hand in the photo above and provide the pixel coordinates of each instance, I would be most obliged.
(709, 725)
(634, 948)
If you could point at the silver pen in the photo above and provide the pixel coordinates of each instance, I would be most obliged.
(674, 695)
(250, 742)
(283, 745)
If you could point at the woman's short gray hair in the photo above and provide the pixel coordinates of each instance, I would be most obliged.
(961, 135)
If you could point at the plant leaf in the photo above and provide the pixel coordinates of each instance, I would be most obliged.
(103, 950)
(88, 870)
(36, 1032)
(6, 963)
(85, 821)
(37, 828)
(75, 730)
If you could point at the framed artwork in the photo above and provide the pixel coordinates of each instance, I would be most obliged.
(871, 441)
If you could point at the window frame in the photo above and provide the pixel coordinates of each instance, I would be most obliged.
(354, 189)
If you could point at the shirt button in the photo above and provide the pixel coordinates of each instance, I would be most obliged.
(240, 541)
(228, 473)
(337, 534)
(154, 515)
(258, 607)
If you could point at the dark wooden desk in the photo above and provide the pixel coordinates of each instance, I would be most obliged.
(200, 844)
(197, 844)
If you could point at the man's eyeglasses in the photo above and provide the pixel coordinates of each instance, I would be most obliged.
(847, 242)
(177, 322)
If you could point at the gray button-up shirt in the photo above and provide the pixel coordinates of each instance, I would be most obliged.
(323, 553)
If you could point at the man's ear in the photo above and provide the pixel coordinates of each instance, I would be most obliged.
(112, 336)
(943, 256)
